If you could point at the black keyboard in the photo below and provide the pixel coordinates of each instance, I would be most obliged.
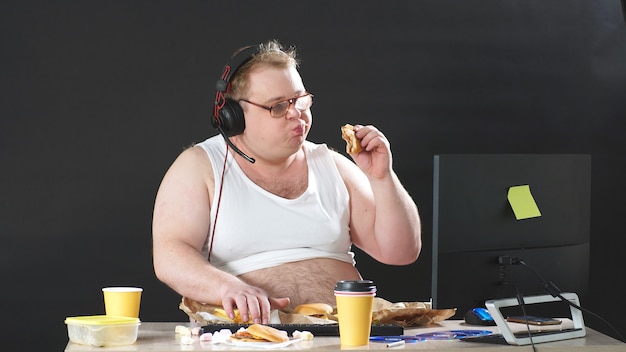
(315, 329)
(499, 339)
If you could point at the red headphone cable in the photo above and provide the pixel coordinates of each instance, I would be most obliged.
(219, 200)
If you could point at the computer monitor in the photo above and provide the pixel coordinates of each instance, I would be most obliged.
(474, 224)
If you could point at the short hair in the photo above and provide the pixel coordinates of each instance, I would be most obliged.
(270, 54)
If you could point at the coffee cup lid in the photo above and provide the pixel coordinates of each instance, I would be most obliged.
(355, 286)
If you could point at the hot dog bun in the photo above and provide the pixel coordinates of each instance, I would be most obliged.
(353, 145)
(219, 312)
(260, 333)
(196, 311)
(319, 310)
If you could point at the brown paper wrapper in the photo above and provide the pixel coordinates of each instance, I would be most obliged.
(407, 314)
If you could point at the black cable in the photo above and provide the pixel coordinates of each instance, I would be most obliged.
(522, 304)
(556, 292)
(548, 286)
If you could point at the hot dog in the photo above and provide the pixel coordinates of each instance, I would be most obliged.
(260, 333)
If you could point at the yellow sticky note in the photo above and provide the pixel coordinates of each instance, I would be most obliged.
(522, 202)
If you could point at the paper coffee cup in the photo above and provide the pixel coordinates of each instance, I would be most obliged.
(122, 301)
(355, 299)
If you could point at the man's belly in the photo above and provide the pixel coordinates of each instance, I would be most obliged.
(305, 281)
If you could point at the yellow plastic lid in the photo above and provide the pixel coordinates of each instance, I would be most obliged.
(101, 320)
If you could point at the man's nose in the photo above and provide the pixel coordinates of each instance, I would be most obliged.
(292, 111)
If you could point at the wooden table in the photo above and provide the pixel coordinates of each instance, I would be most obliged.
(160, 337)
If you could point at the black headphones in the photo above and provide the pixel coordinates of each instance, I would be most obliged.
(227, 113)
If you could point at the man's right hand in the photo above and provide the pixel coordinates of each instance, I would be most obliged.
(253, 303)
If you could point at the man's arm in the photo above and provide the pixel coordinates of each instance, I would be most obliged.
(384, 220)
(180, 227)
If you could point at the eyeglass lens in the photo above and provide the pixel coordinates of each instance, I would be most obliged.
(301, 103)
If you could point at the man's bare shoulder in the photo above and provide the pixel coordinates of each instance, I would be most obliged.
(191, 161)
(195, 155)
(182, 204)
(190, 172)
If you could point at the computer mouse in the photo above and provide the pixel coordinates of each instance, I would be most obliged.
(479, 316)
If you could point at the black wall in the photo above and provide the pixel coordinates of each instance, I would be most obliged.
(98, 97)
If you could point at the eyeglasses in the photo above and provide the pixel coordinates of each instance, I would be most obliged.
(280, 109)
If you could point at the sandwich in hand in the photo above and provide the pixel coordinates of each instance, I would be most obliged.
(353, 145)
(318, 310)
(260, 333)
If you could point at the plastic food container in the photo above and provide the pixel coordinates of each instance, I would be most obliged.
(102, 330)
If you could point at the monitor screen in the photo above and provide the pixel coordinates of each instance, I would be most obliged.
(475, 223)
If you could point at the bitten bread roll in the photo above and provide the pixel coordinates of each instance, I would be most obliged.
(319, 310)
(353, 145)
(260, 333)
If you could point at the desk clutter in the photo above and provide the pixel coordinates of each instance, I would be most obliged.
(186, 336)
(317, 319)
(405, 314)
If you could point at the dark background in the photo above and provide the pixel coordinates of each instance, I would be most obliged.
(97, 98)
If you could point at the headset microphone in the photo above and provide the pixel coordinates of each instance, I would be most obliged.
(230, 144)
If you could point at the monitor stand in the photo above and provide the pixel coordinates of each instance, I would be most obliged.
(511, 338)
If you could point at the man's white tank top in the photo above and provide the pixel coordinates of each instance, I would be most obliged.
(256, 229)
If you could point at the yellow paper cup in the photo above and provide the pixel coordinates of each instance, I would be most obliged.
(354, 311)
(122, 301)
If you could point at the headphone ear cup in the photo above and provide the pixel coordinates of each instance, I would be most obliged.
(231, 118)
